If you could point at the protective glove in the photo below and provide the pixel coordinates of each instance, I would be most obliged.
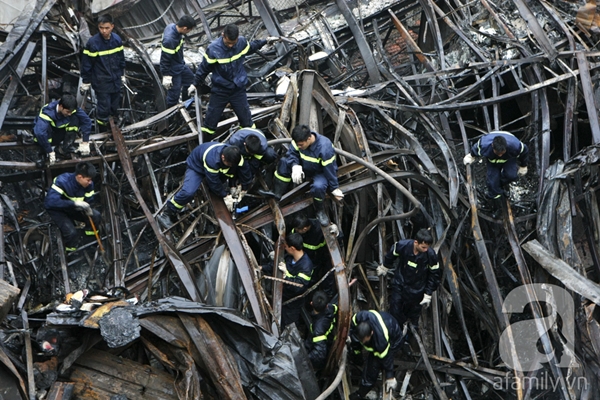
(167, 82)
(191, 90)
(389, 385)
(382, 270)
(334, 230)
(468, 159)
(297, 174)
(84, 87)
(242, 194)
(337, 193)
(522, 171)
(84, 207)
(282, 267)
(273, 39)
(272, 254)
(229, 202)
(235, 190)
(124, 80)
(51, 158)
(84, 148)
(426, 300)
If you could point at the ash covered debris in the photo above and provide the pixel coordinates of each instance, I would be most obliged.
(403, 90)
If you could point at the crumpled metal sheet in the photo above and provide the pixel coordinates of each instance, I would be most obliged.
(119, 327)
(270, 368)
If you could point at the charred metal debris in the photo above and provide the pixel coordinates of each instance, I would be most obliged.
(403, 89)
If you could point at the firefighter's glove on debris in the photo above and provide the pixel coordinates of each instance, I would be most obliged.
(282, 267)
(337, 193)
(124, 80)
(297, 174)
(382, 270)
(389, 385)
(229, 202)
(51, 158)
(242, 194)
(84, 148)
(84, 207)
(522, 171)
(191, 90)
(167, 82)
(273, 39)
(334, 230)
(236, 191)
(468, 159)
(84, 87)
(426, 300)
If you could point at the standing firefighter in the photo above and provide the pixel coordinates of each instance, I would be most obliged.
(225, 58)
(68, 200)
(177, 76)
(57, 125)
(381, 336)
(103, 68)
(310, 155)
(417, 275)
(214, 163)
(506, 157)
(322, 330)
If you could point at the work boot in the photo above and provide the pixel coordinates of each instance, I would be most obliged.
(320, 212)
(68, 144)
(279, 189)
(167, 217)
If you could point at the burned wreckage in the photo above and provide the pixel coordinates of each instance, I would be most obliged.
(403, 90)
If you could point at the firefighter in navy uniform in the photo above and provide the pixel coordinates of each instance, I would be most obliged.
(507, 159)
(380, 335)
(417, 275)
(214, 163)
(57, 125)
(322, 330)
(316, 248)
(225, 58)
(310, 155)
(253, 147)
(69, 199)
(177, 76)
(297, 268)
(103, 67)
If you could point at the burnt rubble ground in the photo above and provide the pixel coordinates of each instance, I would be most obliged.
(403, 91)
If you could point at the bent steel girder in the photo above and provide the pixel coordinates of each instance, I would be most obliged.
(181, 266)
(236, 248)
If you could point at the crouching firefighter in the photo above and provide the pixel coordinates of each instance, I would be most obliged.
(214, 163)
(381, 336)
(69, 199)
(57, 125)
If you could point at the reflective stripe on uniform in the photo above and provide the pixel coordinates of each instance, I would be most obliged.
(385, 335)
(312, 159)
(171, 51)
(61, 191)
(300, 275)
(282, 178)
(228, 60)
(315, 247)
(179, 206)
(434, 267)
(224, 171)
(497, 161)
(412, 264)
(207, 130)
(103, 52)
(49, 119)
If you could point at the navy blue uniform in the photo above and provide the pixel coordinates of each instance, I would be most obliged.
(501, 170)
(103, 65)
(414, 275)
(51, 127)
(318, 163)
(59, 203)
(300, 272)
(266, 154)
(229, 80)
(322, 332)
(204, 163)
(316, 248)
(381, 348)
(172, 64)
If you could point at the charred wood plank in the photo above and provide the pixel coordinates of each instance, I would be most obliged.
(587, 87)
(18, 73)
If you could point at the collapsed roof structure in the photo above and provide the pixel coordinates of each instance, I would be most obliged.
(402, 88)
